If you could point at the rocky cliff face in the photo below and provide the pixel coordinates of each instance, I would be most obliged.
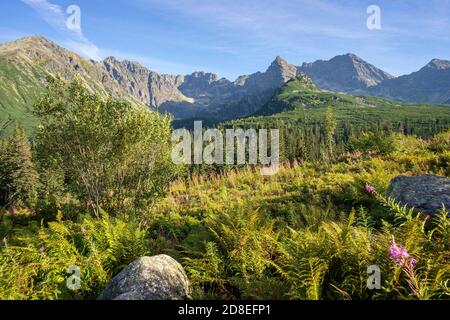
(346, 73)
(431, 84)
(222, 99)
(139, 82)
(197, 95)
(278, 73)
(350, 74)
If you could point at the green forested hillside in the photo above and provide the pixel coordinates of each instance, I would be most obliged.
(299, 108)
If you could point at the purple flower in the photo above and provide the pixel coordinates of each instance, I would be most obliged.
(370, 189)
(400, 256)
(42, 249)
(412, 262)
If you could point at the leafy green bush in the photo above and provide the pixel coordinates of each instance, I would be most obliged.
(374, 143)
(440, 142)
(112, 154)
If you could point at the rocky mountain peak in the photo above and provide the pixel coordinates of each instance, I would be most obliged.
(279, 61)
(429, 84)
(202, 93)
(36, 40)
(346, 73)
(206, 76)
(352, 57)
(438, 64)
(31, 46)
(111, 60)
(282, 69)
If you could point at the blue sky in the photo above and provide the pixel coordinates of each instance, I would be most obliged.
(234, 37)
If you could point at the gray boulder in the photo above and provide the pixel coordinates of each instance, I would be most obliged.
(149, 278)
(426, 193)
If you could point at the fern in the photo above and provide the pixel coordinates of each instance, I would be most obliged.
(100, 248)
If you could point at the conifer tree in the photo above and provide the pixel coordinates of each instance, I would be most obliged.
(18, 176)
(329, 131)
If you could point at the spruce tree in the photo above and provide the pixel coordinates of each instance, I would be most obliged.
(18, 176)
(329, 132)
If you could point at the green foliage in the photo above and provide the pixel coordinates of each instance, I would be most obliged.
(299, 111)
(309, 232)
(332, 263)
(329, 132)
(33, 264)
(113, 155)
(297, 234)
(18, 176)
(440, 142)
(381, 143)
(241, 252)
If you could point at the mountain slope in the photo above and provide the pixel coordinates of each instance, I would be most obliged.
(25, 64)
(299, 103)
(429, 84)
(18, 91)
(298, 111)
(345, 73)
(39, 53)
(222, 99)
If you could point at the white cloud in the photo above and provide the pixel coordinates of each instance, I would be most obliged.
(270, 20)
(288, 28)
(74, 39)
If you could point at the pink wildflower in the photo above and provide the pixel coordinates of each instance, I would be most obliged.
(370, 189)
(400, 256)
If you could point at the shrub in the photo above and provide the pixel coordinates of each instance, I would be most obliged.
(374, 143)
(113, 155)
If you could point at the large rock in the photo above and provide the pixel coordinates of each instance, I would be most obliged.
(149, 278)
(426, 193)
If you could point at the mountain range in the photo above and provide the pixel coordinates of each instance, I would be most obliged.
(345, 73)
(431, 84)
(25, 63)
